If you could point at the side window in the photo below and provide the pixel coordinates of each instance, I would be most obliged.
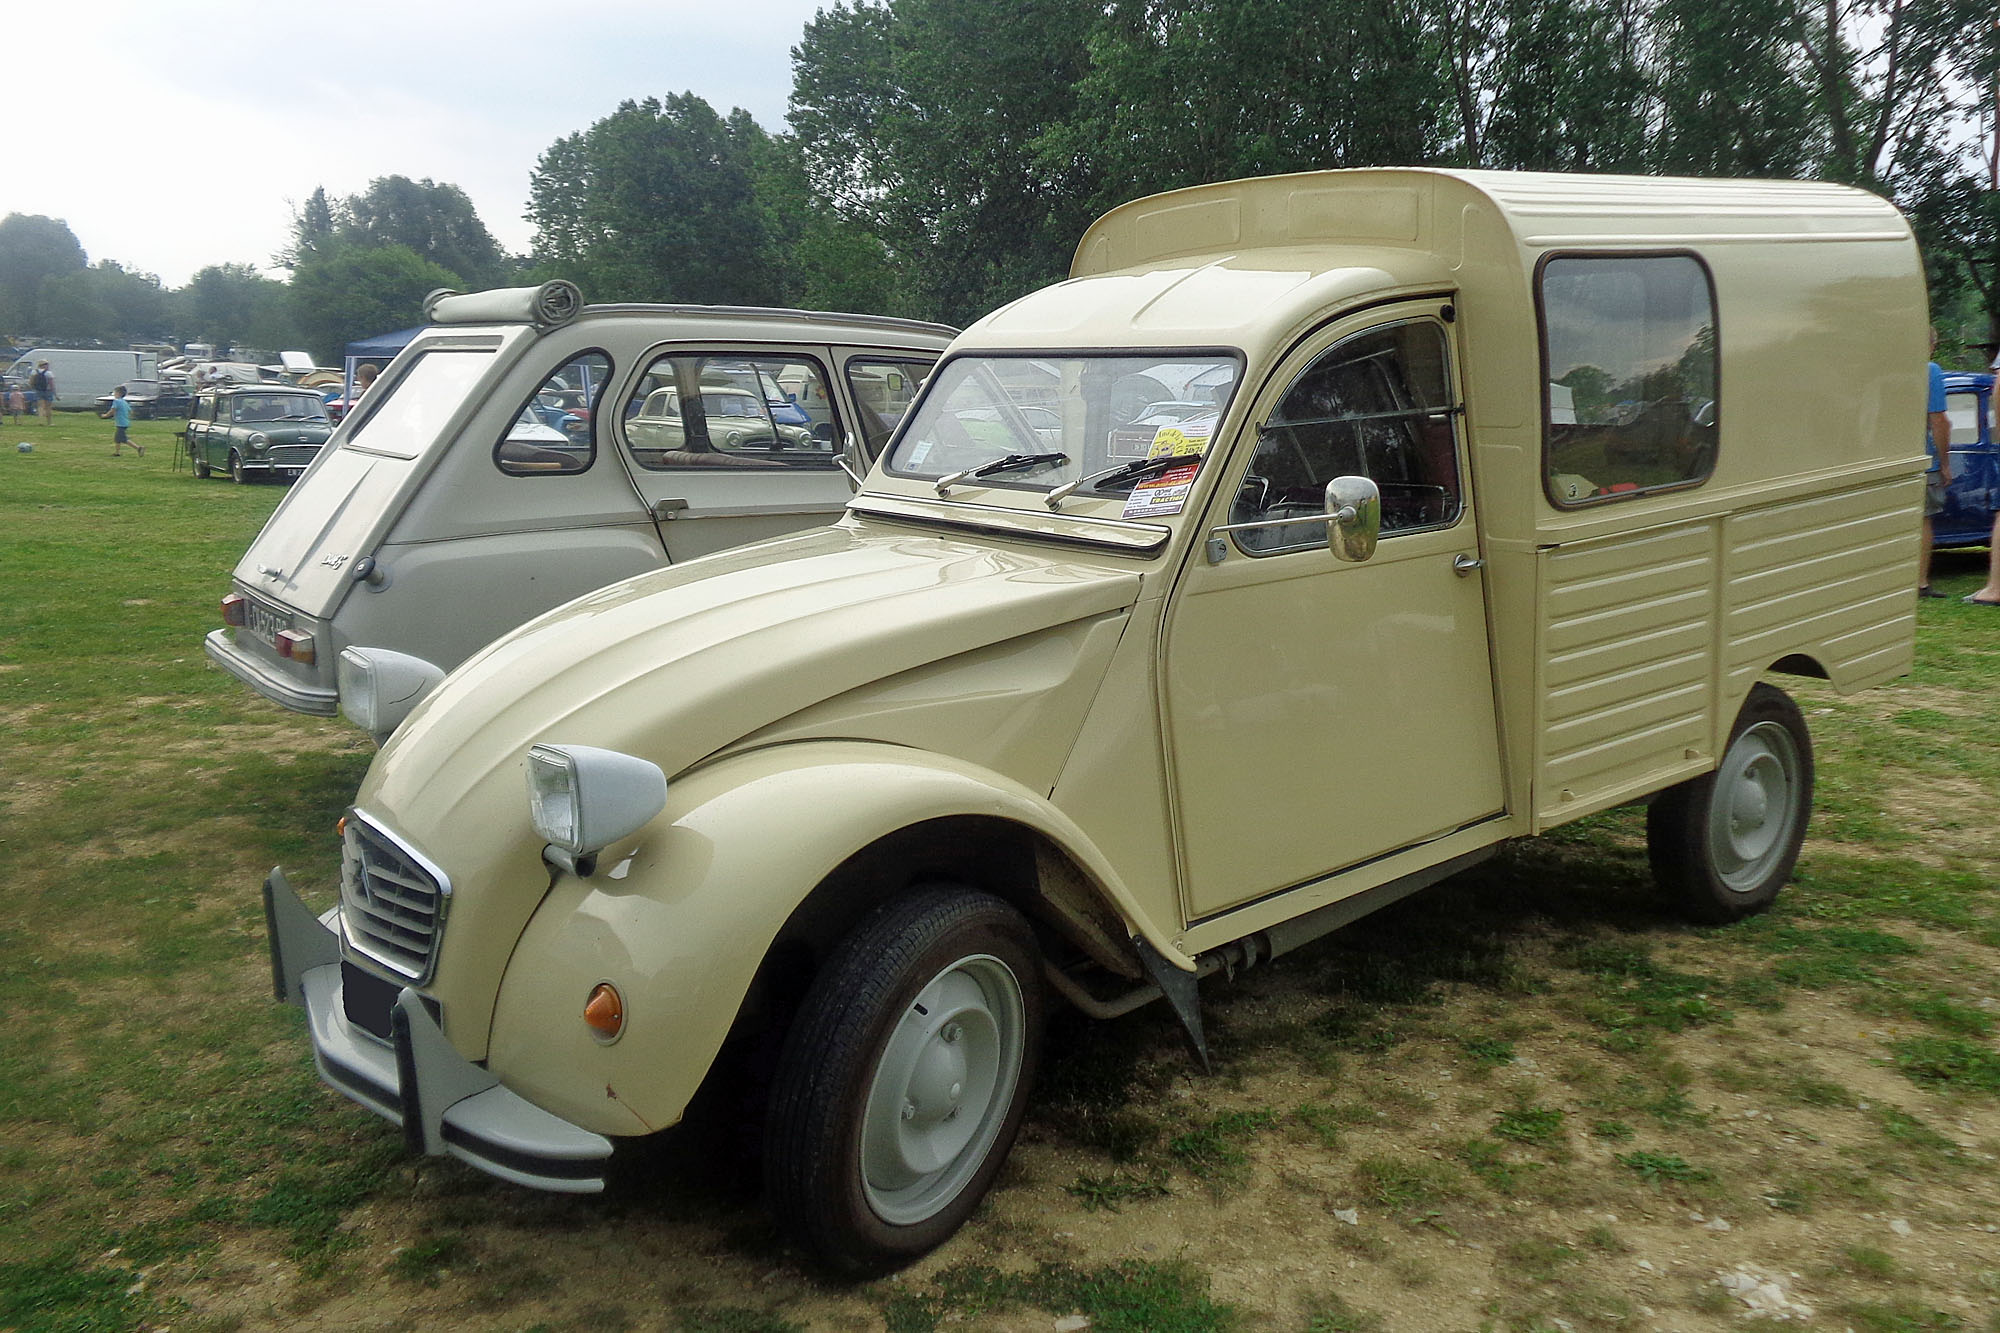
(731, 410)
(883, 390)
(1377, 405)
(554, 433)
(1629, 355)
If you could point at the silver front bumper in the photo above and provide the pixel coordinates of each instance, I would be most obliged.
(445, 1103)
(222, 650)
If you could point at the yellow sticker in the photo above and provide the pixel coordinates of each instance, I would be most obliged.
(1173, 440)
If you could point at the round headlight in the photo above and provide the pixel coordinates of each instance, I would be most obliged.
(583, 799)
(257, 441)
(378, 688)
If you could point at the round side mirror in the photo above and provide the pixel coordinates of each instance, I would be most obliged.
(1355, 506)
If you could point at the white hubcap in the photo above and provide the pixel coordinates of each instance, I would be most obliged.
(942, 1089)
(1751, 821)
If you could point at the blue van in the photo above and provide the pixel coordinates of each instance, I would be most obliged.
(1973, 497)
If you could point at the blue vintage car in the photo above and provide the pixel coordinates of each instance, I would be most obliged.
(1973, 497)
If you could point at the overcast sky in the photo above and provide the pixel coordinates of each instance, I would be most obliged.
(172, 137)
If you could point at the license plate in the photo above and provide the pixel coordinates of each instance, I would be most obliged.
(263, 622)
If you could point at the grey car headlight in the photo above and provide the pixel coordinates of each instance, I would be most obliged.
(378, 688)
(583, 799)
(258, 442)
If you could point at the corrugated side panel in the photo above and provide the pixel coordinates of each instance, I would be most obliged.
(1627, 673)
(1831, 576)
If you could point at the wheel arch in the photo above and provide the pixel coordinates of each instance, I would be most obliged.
(721, 916)
(1072, 911)
(1798, 664)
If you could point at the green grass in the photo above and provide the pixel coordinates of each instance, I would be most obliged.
(1952, 1063)
(1133, 1297)
(1539, 1125)
(1120, 1187)
(1660, 1167)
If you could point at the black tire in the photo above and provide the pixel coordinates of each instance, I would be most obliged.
(237, 472)
(929, 1010)
(201, 468)
(1723, 844)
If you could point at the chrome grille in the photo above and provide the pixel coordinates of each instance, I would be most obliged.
(392, 902)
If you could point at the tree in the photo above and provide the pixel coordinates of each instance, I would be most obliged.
(657, 201)
(1572, 90)
(821, 260)
(314, 226)
(234, 306)
(936, 126)
(350, 291)
(1185, 91)
(432, 220)
(33, 249)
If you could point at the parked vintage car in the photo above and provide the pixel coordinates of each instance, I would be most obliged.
(256, 432)
(744, 431)
(476, 484)
(1065, 709)
(153, 398)
(1973, 498)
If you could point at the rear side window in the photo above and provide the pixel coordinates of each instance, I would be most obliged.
(732, 410)
(412, 411)
(554, 433)
(1629, 376)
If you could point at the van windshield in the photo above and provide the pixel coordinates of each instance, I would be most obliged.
(1041, 422)
(419, 403)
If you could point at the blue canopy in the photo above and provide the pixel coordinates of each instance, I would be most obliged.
(381, 349)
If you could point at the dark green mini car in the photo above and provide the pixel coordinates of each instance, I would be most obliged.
(254, 431)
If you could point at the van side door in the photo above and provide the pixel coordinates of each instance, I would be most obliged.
(1322, 713)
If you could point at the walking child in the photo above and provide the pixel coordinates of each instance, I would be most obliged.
(120, 413)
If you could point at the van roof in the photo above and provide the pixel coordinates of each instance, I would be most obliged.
(1239, 261)
(1408, 206)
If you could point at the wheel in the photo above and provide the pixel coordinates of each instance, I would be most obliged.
(902, 1081)
(1724, 843)
(237, 473)
(201, 468)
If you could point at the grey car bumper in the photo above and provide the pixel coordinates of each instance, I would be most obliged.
(222, 650)
(445, 1103)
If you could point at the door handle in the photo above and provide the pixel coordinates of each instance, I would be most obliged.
(1463, 564)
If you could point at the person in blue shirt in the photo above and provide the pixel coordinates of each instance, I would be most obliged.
(1937, 443)
(120, 413)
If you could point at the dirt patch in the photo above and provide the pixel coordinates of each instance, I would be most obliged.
(1793, 1117)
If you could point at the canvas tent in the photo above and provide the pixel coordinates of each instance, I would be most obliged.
(381, 349)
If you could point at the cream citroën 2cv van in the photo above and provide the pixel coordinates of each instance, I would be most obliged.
(1316, 537)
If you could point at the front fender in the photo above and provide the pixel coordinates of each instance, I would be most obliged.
(680, 920)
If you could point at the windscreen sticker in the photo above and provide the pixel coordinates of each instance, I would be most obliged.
(1174, 440)
(1167, 493)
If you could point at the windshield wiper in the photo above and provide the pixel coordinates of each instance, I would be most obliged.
(1138, 467)
(1008, 463)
